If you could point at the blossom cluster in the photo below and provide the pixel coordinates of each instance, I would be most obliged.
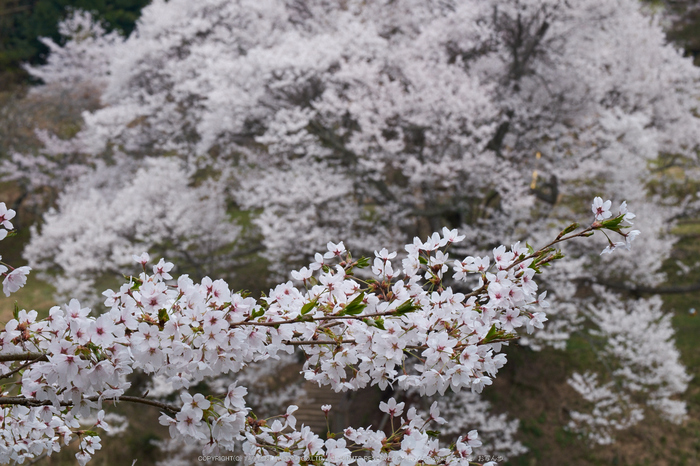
(408, 443)
(354, 332)
(602, 213)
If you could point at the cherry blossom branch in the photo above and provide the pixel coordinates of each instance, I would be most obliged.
(169, 330)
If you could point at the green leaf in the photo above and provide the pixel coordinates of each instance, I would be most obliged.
(308, 307)
(257, 313)
(379, 323)
(93, 347)
(545, 253)
(15, 311)
(406, 307)
(613, 224)
(84, 351)
(492, 335)
(363, 262)
(422, 260)
(376, 322)
(137, 282)
(163, 316)
(354, 307)
(433, 433)
(264, 305)
(569, 229)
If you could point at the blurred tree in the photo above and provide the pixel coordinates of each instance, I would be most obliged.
(23, 22)
(682, 24)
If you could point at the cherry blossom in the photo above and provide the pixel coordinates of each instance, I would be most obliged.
(6, 215)
(601, 209)
(15, 280)
(392, 408)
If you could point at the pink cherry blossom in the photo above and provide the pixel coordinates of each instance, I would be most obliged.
(6, 215)
(15, 280)
(601, 209)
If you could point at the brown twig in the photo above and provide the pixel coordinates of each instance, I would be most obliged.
(317, 342)
(314, 319)
(559, 239)
(20, 400)
(40, 357)
(23, 357)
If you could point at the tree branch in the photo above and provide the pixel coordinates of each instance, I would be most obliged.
(313, 319)
(316, 342)
(23, 357)
(20, 400)
(40, 357)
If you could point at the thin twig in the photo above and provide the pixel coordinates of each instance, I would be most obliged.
(416, 347)
(559, 239)
(317, 342)
(314, 319)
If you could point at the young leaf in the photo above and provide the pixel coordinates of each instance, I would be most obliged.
(491, 335)
(613, 224)
(308, 307)
(355, 306)
(568, 229)
(406, 307)
(376, 322)
(362, 262)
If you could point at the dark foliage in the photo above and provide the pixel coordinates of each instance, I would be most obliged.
(23, 22)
